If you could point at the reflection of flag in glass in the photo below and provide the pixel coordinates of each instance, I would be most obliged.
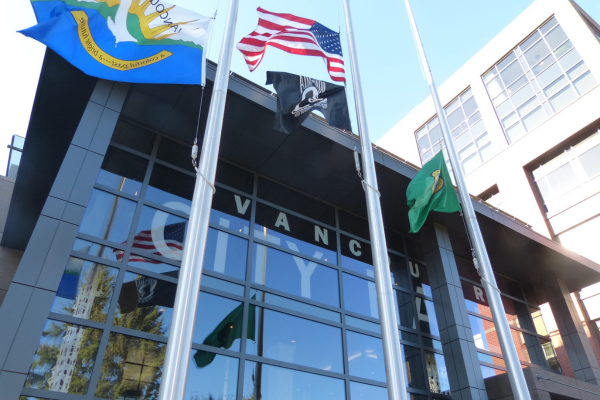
(70, 279)
(226, 333)
(146, 292)
(173, 236)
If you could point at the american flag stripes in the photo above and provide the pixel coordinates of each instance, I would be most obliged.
(172, 246)
(294, 35)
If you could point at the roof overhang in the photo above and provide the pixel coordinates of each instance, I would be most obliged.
(317, 159)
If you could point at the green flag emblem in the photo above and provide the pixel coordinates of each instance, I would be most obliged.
(430, 190)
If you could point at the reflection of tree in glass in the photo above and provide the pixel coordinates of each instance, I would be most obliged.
(52, 354)
(96, 288)
(196, 396)
(132, 367)
(91, 302)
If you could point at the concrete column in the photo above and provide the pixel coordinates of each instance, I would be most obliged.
(578, 348)
(464, 371)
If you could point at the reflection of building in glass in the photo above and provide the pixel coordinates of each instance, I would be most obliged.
(87, 291)
(287, 304)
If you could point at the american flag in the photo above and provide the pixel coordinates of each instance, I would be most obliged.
(294, 35)
(172, 248)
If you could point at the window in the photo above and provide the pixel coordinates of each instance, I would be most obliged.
(540, 77)
(527, 327)
(571, 176)
(472, 142)
(288, 284)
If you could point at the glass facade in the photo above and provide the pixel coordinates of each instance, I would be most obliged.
(540, 77)
(529, 333)
(473, 143)
(288, 305)
(571, 176)
(14, 156)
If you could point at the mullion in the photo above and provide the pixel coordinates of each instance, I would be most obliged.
(119, 283)
(246, 312)
(289, 296)
(95, 259)
(266, 243)
(105, 336)
(124, 268)
(294, 213)
(294, 313)
(345, 360)
(100, 241)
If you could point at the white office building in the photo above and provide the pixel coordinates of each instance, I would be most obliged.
(525, 118)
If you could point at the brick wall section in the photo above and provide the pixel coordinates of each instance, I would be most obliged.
(592, 338)
(561, 353)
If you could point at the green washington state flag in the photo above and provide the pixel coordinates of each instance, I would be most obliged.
(226, 333)
(430, 190)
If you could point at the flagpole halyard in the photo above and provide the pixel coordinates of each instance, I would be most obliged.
(509, 351)
(188, 289)
(392, 354)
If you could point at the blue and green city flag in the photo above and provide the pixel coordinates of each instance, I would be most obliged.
(142, 41)
(430, 190)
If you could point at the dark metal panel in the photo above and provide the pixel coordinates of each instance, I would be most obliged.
(73, 214)
(307, 178)
(62, 95)
(147, 110)
(11, 314)
(101, 92)
(464, 372)
(54, 208)
(87, 125)
(25, 343)
(11, 384)
(104, 131)
(60, 249)
(88, 172)
(244, 151)
(65, 180)
(36, 251)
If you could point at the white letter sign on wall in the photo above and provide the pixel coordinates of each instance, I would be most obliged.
(282, 221)
(322, 235)
(241, 208)
(354, 246)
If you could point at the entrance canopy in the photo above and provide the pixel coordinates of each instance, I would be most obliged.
(317, 160)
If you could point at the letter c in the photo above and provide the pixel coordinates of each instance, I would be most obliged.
(353, 248)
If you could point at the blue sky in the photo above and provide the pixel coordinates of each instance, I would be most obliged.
(452, 32)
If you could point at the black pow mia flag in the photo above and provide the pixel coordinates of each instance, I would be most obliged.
(147, 292)
(298, 95)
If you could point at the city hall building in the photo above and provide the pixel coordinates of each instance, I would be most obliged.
(288, 306)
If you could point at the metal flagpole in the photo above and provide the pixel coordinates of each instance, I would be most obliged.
(179, 345)
(482, 261)
(394, 363)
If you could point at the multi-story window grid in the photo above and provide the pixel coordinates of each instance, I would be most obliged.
(534, 346)
(470, 136)
(571, 176)
(540, 77)
(106, 334)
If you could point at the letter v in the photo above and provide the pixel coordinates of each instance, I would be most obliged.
(238, 202)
